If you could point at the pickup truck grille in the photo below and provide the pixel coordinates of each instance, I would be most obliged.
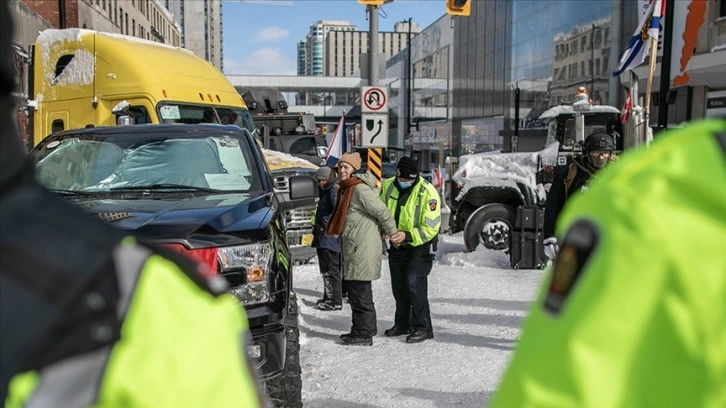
(299, 230)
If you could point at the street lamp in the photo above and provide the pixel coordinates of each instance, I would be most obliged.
(326, 98)
(409, 101)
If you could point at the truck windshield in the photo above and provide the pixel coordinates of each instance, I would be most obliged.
(594, 123)
(193, 114)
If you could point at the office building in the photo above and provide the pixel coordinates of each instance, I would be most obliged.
(201, 27)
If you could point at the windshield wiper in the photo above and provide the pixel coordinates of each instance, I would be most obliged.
(167, 186)
(69, 192)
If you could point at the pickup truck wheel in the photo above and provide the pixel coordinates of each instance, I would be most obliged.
(489, 225)
(285, 389)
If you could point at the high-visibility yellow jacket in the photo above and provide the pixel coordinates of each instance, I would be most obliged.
(634, 313)
(179, 346)
(420, 217)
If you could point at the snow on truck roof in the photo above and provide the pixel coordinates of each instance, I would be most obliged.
(53, 35)
(567, 110)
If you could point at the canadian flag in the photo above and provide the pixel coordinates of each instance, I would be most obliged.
(436, 178)
(627, 108)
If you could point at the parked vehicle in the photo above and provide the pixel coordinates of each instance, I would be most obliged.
(205, 191)
(294, 133)
(488, 187)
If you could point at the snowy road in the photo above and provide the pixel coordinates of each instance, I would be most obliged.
(477, 308)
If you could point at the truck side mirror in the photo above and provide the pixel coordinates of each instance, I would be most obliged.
(303, 191)
(124, 120)
(322, 151)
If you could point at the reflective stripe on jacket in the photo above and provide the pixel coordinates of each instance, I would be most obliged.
(420, 217)
(180, 345)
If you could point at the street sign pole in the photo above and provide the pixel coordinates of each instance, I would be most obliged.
(375, 152)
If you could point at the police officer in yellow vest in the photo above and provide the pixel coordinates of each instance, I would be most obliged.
(634, 314)
(416, 207)
(88, 317)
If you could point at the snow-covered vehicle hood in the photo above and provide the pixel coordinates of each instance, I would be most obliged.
(503, 170)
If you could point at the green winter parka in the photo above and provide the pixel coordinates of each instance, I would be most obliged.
(361, 246)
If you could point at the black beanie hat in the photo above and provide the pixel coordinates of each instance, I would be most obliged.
(408, 167)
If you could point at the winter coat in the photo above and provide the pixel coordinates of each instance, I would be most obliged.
(326, 205)
(559, 193)
(361, 246)
(632, 314)
(417, 210)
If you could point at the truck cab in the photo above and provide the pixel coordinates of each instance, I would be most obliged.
(488, 187)
(83, 78)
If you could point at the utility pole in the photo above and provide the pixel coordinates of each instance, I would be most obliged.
(409, 86)
(373, 46)
(375, 154)
(62, 14)
(592, 62)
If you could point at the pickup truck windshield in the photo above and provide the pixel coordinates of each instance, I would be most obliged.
(203, 164)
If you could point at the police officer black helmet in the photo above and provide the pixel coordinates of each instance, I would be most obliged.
(599, 141)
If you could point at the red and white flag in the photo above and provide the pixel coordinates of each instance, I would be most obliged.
(627, 108)
(436, 178)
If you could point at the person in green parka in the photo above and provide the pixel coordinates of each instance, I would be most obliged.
(358, 218)
(634, 313)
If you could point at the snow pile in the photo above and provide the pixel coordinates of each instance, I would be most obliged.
(502, 170)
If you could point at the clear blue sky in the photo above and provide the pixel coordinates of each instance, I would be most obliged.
(260, 37)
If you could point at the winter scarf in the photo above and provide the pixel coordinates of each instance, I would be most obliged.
(345, 195)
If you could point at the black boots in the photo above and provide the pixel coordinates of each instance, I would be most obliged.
(396, 331)
(419, 335)
(353, 340)
(328, 305)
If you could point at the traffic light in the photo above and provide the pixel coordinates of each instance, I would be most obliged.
(371, 2)
(457, 7)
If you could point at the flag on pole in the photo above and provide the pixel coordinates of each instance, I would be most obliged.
(639, 45)
(338, 144)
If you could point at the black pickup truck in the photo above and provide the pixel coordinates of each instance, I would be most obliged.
(205, 191)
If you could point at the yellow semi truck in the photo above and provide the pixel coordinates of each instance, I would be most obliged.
(83, 78)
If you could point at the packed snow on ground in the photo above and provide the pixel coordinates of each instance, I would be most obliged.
(477, 308)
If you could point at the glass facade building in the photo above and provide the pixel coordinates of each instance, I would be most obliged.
(547, 49)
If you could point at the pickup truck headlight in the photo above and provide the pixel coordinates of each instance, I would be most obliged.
(252, 264)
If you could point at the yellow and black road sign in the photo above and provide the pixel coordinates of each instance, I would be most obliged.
(375, 156)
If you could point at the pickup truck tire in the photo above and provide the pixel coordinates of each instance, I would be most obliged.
(490, 225)
(285, 389)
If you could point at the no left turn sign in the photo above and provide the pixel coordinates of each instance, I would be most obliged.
(373, 99)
